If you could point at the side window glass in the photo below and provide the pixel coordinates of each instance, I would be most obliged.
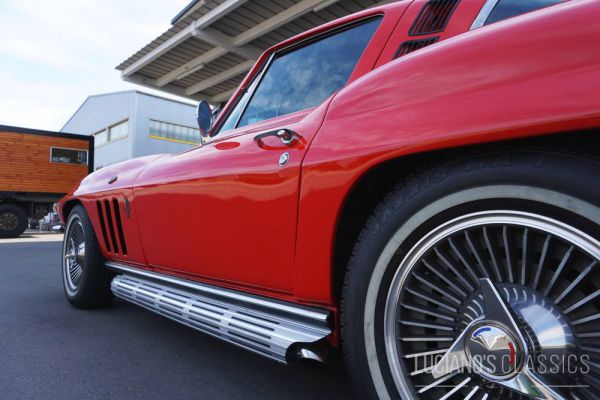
(505, 9)
(305, 77)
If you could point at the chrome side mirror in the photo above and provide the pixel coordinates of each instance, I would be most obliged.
(204, 116)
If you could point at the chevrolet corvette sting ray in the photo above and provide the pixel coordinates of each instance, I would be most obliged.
(417, 185)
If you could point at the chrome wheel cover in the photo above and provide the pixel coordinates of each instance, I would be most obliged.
(73, 255)
(8, 221)
(545, 273)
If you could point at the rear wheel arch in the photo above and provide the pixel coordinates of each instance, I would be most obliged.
(378, 181)
(360, 202)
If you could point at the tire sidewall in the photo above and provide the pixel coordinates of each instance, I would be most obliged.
(78, 214)
(557, 181)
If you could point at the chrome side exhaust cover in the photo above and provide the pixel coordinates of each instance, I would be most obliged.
(274, 329)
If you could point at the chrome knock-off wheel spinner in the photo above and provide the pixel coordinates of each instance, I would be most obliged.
(477, 347)
(73, 255)
(485, 305)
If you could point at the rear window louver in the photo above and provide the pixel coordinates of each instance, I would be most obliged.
(412, 45)
(433, 17)
(111, 226)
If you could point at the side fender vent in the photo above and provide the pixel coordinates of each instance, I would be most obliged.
(111, 225)
(103, 225)
(412, 45)
(433, 17)
(119, 226)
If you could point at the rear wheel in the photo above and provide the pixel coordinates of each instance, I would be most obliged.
(86, 280)
(480, 280)
(13, 221)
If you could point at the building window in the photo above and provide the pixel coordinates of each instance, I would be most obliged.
(111, 133)
(118, 131)
(173, 132)
(68, 156)
(100, 138)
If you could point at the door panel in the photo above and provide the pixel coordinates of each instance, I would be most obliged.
(227, 210)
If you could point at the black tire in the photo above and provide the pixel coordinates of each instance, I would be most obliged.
(86, 280)
(562, 187)
(13, 221)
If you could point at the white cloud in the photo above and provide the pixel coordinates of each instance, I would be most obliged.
(53, 54)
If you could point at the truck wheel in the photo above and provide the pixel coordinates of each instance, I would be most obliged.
(86, 280)
(13, 221)
(495, 255)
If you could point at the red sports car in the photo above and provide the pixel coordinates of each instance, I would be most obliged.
(417, 184)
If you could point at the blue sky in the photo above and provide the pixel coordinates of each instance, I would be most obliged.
(54, 53)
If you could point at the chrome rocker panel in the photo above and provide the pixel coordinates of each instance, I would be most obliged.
(275, 329)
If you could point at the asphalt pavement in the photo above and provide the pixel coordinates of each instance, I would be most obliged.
(50, 350)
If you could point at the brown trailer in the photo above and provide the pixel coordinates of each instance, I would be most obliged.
(36, 169)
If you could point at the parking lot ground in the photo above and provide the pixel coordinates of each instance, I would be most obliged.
(32, 236)
(50, 350)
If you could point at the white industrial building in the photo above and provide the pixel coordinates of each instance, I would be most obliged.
(131, 124)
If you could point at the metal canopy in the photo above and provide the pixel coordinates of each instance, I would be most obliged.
(213, 43)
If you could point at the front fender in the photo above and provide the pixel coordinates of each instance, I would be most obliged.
(120, 176)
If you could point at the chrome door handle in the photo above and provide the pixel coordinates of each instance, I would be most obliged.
(287, 136)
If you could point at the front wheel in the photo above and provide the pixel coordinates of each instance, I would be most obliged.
(86, 280)
(480, 280)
